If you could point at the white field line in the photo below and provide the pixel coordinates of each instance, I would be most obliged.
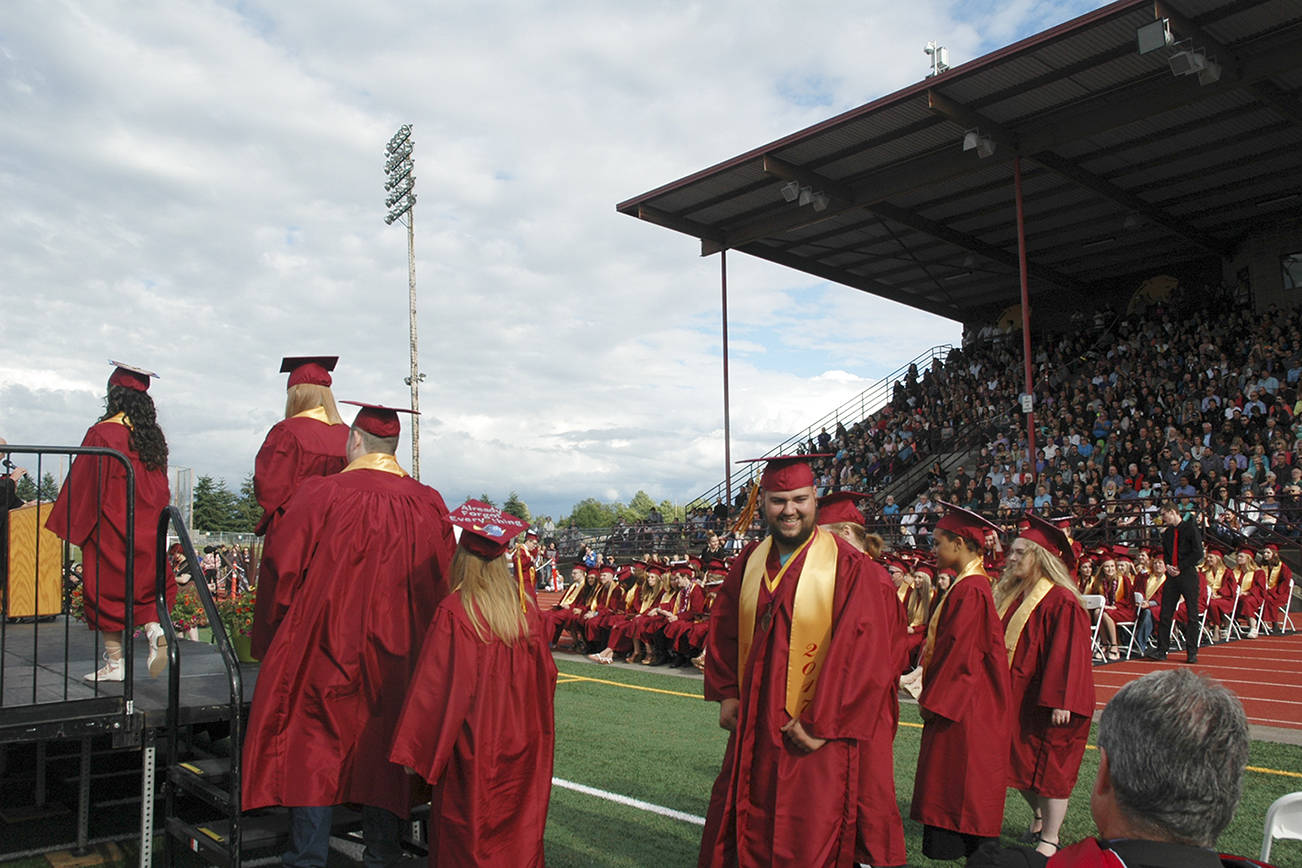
(631, 802)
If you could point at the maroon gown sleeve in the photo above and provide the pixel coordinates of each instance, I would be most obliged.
(291, 548)
(275, 469)
(442, 691)
(721, 657)
(1067, 676)
(77, 509)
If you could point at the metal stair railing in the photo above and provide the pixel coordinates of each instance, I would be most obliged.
(854, 410)
(230, 799)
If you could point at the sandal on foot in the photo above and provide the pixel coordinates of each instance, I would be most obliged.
(1053, 844)
(1032, 834)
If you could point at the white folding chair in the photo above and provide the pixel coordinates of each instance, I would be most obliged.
(1094, 603)
(1283, 820)
(1205, 635)
(1233, 629)
(1129, 627)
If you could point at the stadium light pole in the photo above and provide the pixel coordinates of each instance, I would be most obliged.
(401, 187)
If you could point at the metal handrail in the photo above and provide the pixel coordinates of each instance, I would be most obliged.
(171, 517)
(854, 410)
(128, 703)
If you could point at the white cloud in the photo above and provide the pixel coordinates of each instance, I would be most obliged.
(197, 187)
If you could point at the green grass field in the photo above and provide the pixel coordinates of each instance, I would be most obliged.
(637, 737)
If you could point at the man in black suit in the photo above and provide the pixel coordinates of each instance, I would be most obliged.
(1183, 546)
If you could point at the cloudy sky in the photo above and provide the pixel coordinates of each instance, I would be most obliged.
(196, 187)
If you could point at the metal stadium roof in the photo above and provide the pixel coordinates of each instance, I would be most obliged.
(1125, 165)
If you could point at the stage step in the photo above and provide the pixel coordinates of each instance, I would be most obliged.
(206, 779)
(265, 831)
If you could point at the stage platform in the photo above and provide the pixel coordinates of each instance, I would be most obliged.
(44, 664)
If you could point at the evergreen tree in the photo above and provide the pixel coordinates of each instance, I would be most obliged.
(216, 508)
(516, 507)
(49, 489)
(25, 488)
(247, 508)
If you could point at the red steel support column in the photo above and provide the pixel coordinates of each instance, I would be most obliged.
(1026, 310)
(727, 424)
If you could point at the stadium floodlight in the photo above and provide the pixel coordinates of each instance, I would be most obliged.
(806, 195)
(790, 190)
(1187, 62)
(820, 200)
(1210, 74)
(974, 140)
(401, 187)
(1154, 36)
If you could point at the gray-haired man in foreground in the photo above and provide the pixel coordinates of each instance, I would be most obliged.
(1172, 749)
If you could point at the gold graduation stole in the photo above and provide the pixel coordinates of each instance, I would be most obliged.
(1272, 576)
(1245, 581)
(1013, 632)
(572, 594)
(317, 413)
(974, 567)
(811, 614)
(376, 461)
(120, 418)
(1215, 578)
(1150, 590)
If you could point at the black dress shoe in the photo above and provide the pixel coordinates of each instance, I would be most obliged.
(1191, 658)
(1155, 655)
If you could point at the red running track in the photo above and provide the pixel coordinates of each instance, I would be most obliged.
(1265, 672)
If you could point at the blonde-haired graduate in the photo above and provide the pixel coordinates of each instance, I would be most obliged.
(1047, 636)
(478, 719)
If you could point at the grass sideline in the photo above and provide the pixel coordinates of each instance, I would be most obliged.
(666, 748)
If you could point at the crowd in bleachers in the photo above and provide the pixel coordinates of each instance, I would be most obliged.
(1189, 399)
(1195, 399)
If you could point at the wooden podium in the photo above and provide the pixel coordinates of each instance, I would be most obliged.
(35, 587)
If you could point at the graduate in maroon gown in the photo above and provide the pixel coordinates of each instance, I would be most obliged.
(788, 790)
(1279, 587)
(880, 831)
(310, 441)
(572, 604)
(91, 512)
(604, 607)
(958, 793)
(1047, 634)
(360, 560)
(478, 721)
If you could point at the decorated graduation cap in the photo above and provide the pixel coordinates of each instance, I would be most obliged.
(965, 523)
(840, 506)
(787, 472)
(485, 530)
(310, 370)
(1049, 535)
(130, 377)
(379, 420)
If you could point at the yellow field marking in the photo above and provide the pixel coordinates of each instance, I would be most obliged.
(631, 686)
(567, 678)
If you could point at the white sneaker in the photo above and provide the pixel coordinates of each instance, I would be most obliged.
(157, 649)
(112, 670)
(1252, 634)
